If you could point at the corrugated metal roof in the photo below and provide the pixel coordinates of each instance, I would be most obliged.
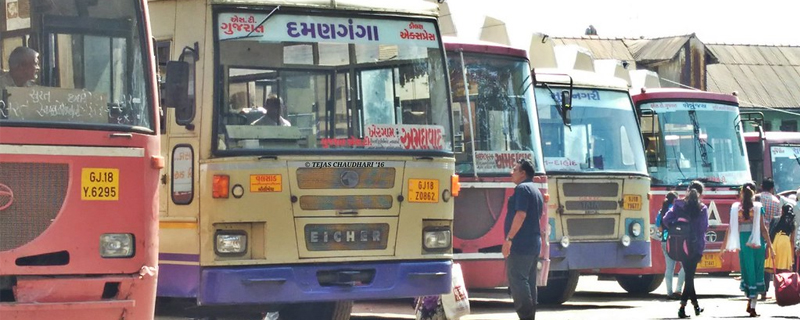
(757, 85)
(764, 76)
(601, 48)
(658, 49)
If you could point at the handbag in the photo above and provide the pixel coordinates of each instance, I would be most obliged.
(787, 286)
(456, 302)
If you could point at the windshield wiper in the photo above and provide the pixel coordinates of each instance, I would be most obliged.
(557, 105)
(700, 144)
(703, 180)
(678, 159)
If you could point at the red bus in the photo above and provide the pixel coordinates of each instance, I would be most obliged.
(690, 135)
(79, 161)
(496, 124)
(776, 155)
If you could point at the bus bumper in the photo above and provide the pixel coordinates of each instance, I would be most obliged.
(594, 255)
(104, 297)
(323, 282)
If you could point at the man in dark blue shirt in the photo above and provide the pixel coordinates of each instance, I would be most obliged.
(523, 239)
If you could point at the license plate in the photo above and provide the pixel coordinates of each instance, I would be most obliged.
(99, 184)
(423, 190)
(710, 261)
(351, 236)
(632, 202)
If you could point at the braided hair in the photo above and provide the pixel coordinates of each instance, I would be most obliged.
(747, 198)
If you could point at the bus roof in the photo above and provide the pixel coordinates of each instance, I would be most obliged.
(774, 137)
(680, 93)
(478, 46)
(418, 7)
(580, 78)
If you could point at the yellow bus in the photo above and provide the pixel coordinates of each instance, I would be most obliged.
(309, 154)
(596, 174)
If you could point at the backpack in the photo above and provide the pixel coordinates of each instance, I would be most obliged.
(680, 241)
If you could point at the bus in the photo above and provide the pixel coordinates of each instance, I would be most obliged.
(596, 176)
(79, 161)
(775, 154)
(309, 154)
(690, 135)
(496, 125)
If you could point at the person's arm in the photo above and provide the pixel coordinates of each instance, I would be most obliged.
(659, 221)
(516, 224)
(704, 219)
(522, 199)
(668, 218)
(765, 233)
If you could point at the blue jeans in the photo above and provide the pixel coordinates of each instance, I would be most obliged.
(669, 271)
(521, 271)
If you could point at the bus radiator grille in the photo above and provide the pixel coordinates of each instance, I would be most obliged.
(31, 195)
(596, 227)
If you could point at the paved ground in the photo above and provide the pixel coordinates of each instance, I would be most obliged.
(595, 299)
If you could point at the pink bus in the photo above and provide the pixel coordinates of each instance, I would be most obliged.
(496, 124)
(79, 161)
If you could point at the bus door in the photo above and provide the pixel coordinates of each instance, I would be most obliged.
(179, 218)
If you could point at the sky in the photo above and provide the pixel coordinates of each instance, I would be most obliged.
(770, 22)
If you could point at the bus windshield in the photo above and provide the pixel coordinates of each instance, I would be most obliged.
(690, 140)
(785, 167)
(603, 136)
(330, 82)
(78, 64)
(500, 113)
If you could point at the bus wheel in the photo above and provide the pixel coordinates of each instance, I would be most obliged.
(640, 283)
(336, 310)
(560, 287)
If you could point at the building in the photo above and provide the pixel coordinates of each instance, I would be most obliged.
(765, 78)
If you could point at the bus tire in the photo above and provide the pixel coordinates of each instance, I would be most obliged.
(560, 287)
(639, 284)
(334, 310)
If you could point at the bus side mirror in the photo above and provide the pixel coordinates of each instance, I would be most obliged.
(177, 92)
(566, 107)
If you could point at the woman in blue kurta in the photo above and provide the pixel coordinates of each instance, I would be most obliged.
(747, 235)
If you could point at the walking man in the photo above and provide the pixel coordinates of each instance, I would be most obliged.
(523, 239)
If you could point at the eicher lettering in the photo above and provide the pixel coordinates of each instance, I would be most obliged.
(344, 236)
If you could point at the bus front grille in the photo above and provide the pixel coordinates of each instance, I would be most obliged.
(591, 227)
(31, 195)
(346, 202)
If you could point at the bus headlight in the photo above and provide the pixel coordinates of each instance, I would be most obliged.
(626, 240)
(436, 239)
(565, 242)
(230, 242)
(117, 245)
(635, 229)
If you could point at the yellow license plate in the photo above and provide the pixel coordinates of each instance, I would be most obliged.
(632, 202)
(423, 190)
(99, 184)
(266, 183)
(710, 261)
